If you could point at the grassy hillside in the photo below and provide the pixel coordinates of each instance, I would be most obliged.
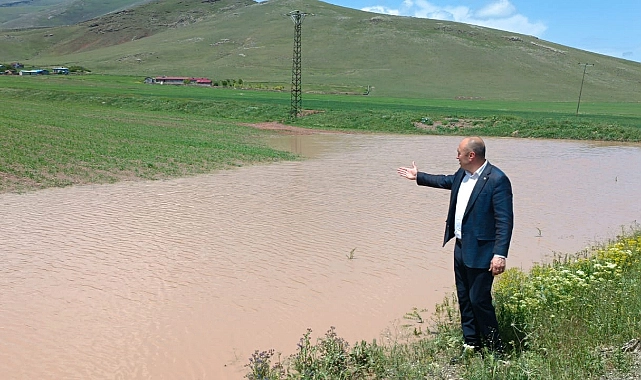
(20, 14)
(397, 56)
(114, 29)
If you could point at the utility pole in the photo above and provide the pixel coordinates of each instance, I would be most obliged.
(585, 67)
(297, 104)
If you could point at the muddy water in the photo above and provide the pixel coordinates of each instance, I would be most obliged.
(183, 279)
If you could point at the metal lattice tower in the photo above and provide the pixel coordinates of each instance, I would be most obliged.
(297, 104)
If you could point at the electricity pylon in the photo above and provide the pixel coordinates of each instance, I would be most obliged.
(297, 104)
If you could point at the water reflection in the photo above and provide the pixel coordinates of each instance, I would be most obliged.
(185, 278)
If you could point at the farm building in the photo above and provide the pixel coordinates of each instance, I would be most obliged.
(203, 81)
(34, 72)
(173, 80)
(60, 70)
(179, 80)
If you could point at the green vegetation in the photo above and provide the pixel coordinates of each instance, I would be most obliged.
(581, 308)
(52, 139)
(27, 14)
(351, 254)
(60, 130)
(570, 319)
(361, 52)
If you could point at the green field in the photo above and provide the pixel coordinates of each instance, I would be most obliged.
(54, 138)
(64, 130)
(343, 50)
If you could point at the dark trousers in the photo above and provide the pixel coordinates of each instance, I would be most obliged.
(474, 292)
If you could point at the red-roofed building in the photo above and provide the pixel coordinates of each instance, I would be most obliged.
(203, 81)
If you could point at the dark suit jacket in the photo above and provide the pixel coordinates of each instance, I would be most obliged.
(489, 216)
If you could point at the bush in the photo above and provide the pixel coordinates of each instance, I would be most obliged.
(261, 367)
(78, 69)
(570, 312)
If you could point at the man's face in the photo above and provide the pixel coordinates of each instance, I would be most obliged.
(463, 155)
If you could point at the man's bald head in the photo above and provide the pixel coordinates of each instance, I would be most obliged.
(477, 145)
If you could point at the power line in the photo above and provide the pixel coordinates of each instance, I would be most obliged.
(585, 67)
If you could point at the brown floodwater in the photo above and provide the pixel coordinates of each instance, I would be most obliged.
(185, 278)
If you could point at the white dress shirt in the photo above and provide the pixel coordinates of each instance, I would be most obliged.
(464, 193)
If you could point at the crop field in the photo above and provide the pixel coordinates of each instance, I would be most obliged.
(63, 130)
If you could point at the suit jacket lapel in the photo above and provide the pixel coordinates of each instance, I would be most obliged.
(480, 183)
(456, 185)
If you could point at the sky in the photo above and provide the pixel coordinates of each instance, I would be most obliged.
(606, 27)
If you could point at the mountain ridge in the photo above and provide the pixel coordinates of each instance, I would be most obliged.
(397, 56)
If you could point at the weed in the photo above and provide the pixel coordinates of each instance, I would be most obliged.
(351, 254)
(261, 368)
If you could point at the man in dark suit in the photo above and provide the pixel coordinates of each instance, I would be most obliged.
(481, 218)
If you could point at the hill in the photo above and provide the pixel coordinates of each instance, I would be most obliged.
(397, 56)
(21, 14)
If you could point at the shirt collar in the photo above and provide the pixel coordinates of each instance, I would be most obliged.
(478, 171)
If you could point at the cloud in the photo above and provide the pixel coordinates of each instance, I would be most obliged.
(501, 8)
(516, 23)
(499, 14)
(381, 9)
